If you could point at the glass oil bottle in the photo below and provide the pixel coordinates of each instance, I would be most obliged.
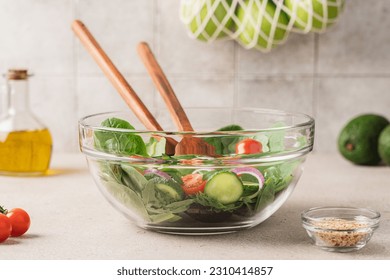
(25, 143)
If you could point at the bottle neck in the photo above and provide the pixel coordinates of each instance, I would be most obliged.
(18, 101)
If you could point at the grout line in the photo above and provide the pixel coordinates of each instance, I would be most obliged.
(352, 75)
(316, 85)
(156, 46)
(217, 76)
(236, 80)
(315, 76)
(316, 54)
(315, 102)
(75, 13)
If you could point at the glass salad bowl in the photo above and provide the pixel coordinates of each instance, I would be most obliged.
(253, 169)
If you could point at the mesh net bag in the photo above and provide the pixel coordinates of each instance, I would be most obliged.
(260, 24)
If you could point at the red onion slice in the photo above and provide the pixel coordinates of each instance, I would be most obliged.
(158, 172)
(251, 171)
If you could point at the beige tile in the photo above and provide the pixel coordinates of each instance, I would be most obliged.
(97, 95)
(196, 92)
(201, 119)
(282, 93)
(341, 99)
(53, 102)
(37, 35)
(180, 54)
(359, 43)
(118, 26)
(296, 56)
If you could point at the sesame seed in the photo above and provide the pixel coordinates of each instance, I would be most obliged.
(338, 232)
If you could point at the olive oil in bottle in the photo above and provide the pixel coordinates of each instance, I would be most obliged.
(25, 143)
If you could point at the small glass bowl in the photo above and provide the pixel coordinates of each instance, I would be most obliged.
(340, 229)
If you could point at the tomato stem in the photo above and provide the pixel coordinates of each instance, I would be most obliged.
(3, 210)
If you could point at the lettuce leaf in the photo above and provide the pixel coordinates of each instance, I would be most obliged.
(156, 148)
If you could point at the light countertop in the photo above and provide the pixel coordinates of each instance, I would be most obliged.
(72, 220)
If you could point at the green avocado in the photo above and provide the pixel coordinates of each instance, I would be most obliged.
(358, 140)
(384, 145)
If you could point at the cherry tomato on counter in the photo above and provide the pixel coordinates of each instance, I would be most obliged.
(5, 227)
(249, 146)
(20, 221)
(193, 184)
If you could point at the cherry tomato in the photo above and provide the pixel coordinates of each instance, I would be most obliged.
(20, 221)
(193, 184)
(249, 146)
(5, 227)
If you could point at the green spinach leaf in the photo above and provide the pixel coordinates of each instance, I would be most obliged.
(123, 143)
(266, 196)
(110, 171)
(127, 197)
(225, 144)
(276, 138)
(164, 217)
(281, 174)
(160, 207)
(132, 178)
(179, 206)
(203, 199)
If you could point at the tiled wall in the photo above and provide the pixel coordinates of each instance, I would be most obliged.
(333, 76)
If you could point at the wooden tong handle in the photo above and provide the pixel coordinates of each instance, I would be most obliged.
(117, 80)
(162, 84)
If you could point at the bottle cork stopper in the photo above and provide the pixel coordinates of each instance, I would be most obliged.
(17, 74)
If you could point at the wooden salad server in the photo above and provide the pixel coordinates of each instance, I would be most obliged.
(119, 82)
(189, 144)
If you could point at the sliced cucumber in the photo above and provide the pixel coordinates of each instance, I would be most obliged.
(169, 188)
(224, 187)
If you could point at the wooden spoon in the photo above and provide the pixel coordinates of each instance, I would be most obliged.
(189, 144)
(119, 82)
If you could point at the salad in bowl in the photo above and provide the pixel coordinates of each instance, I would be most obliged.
(255, 166)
